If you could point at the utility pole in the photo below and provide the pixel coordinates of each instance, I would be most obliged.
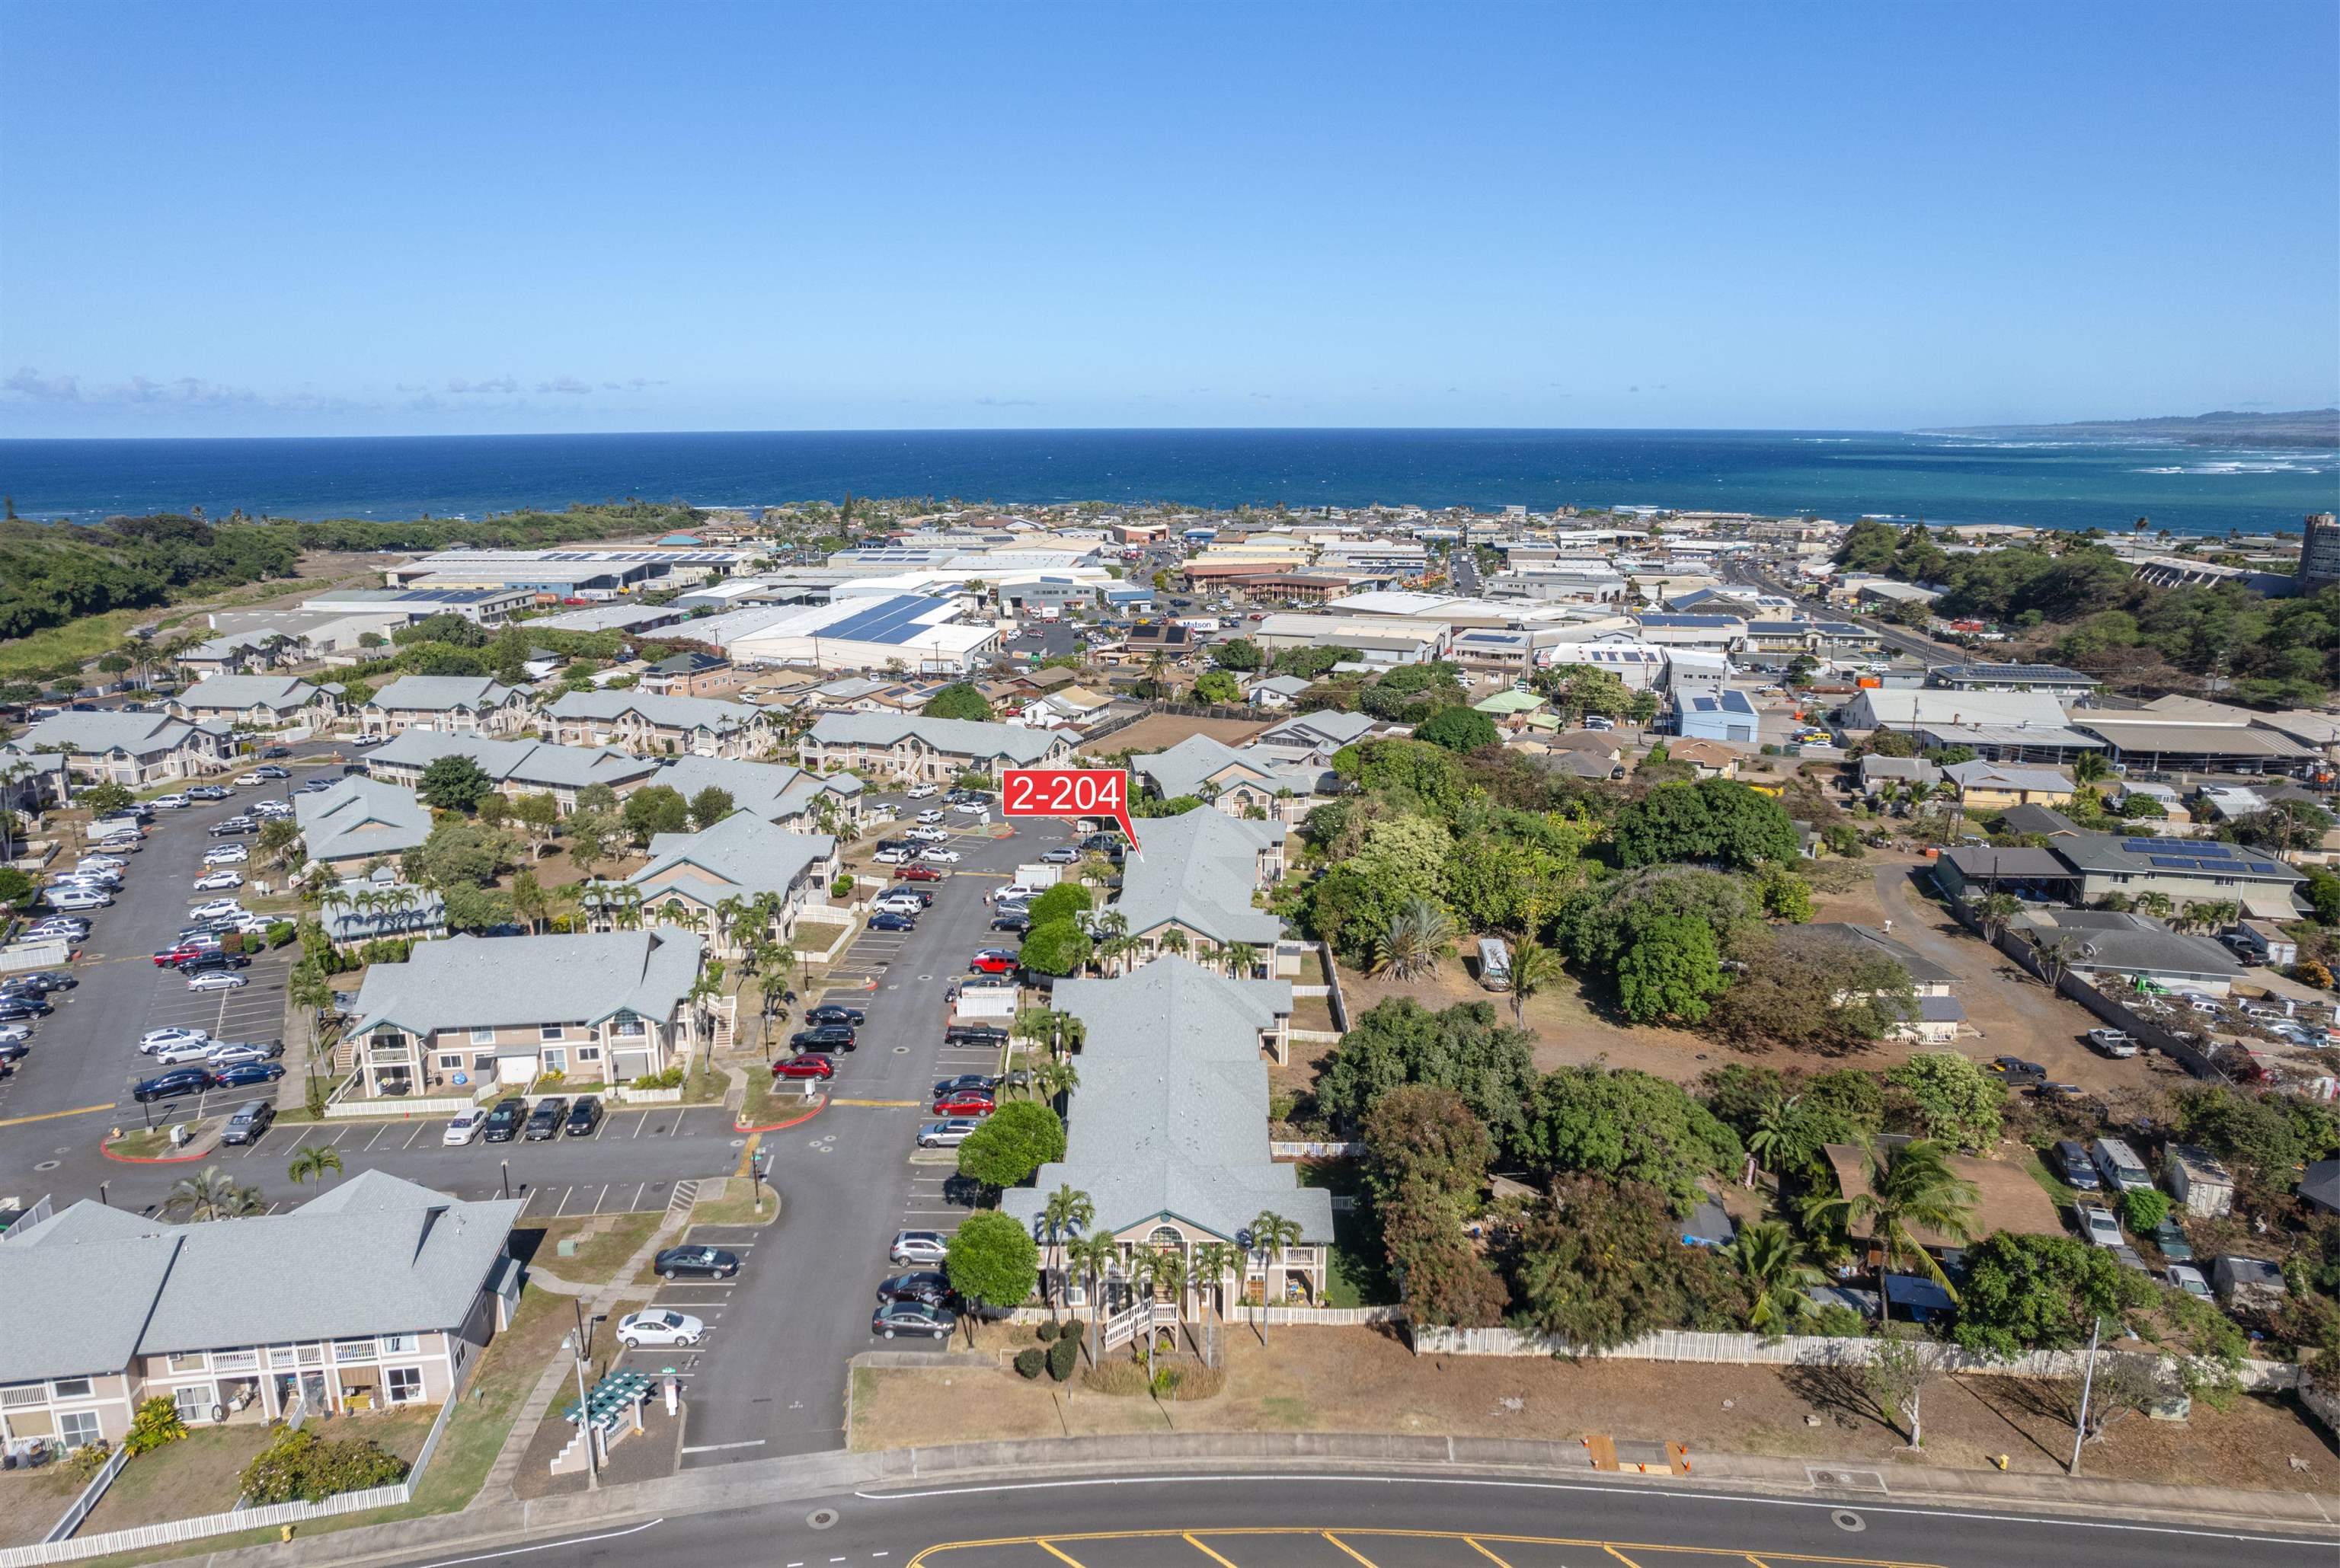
(2088, 1387)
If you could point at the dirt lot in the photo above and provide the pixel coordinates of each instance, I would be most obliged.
(1160, 732)
(30, 1502)
(1367, 1380)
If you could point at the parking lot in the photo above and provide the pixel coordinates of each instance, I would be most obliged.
(734, 1422)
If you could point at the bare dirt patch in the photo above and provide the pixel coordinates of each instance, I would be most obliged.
(1160, 732)
(1367, 1380)
(31, 1501)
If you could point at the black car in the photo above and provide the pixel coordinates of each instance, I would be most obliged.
(250, 1123)
(699, 1262)
(892, 922)
(170, 1085)
(828, 1037)
(43, 982)
(16, 1006)
(275, 752)
(830, 1012)
(912, 1317)
(2073, 1164)
(927, 1286)
(977, 1080)
(1018, 923)
(504, 1120)
(246, 1073)
(975, 1034)
(545, 1121)
(584, 1118)
(232, 827)
(204, 962)
(15, 1049)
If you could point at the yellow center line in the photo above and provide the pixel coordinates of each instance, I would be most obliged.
(52, 1115)
(1207, 1551)
(1490, 1556)
(1051, 1551)
(1620, 1557)
(1351, 1550)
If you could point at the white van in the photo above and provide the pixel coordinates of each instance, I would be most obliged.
(2117, 1163)
(1495, 965)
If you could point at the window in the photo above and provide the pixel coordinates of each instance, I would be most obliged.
(551, 1032)
(78, 1428)
(451, 1061)
(556, 1061)
(397, 1344)
(188, 1361)
(630, 1026)
(588, 1053)
(405, 1384)
(70, 1388)
(483, 1036)
(191, 1401)
(483, 1061)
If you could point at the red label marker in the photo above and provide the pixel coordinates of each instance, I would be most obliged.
(1067, 792)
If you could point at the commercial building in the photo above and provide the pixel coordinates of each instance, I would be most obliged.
(483, 606)
(376, 1294)
(2319, 551)
(575, 573)
(1374, 641)
(892, 631)
(2054, 679)
(1723, 714)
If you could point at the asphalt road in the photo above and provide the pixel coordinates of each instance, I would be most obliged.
(1279, 1521)
(770, 1378)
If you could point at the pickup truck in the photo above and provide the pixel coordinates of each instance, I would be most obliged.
(2111, 1042)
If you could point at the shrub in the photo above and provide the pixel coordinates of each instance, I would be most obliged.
(1199, 1383)
(1063, 1356)
(281, 932)
(842, 887)
(1046, 1332)
(1029, 1362)
(2143, 1207)
(1116, 1377)
(157, 1423)
(1072, 1328)
(84, 1462)
(304, 1467)
(670, 1078)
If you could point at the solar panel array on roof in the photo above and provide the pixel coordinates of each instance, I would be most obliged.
(890, 621)
(2205, 849)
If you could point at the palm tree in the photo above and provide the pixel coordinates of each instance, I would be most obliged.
(1094, 1255)
(1413, 942)
(1271, 1234)
(728, 913)
(1166, 1267)
(2155, 904)
(1775, 1265)
(1175, 940)
(1911, 1189)
(1534, 968)
(212, 1194)
(1055, 1078)
(2091, 768)
(1242, 959)
(311, 1161)
(1213, 1261)
(1064, 1212)
(1995, 911)
(1773, 1128)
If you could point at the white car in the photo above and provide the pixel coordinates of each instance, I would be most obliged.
(923, 791)
(891, 856)
(219, 881)
(217, 908)
(270, 810)
(367, 740)
(927, 835)
(948, 1134)
(929, 818)
(170, 803)
(218, 980)
(938, 854)
(919, 1246)
(237, 1055)
(15, 1033)
(910, 906)
(464, 1127)
(174, 1035)
(2188, 1278)
(2098, 1225)
(658, 1327)
(227, 854)
(99, 862)
(182, 1054)
(971, 807)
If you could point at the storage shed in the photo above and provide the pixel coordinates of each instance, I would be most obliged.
(2198, 1182)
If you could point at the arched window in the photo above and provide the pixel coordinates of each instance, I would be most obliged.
(1165, 1235)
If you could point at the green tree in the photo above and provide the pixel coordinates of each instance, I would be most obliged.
(1446, 1281)
(1059, 948)
(312, 1162)
(212, 1194)
(1603, 1263)
(709, 806)
(1013, 1142)
(1413, 942)
(1238, 653)
(1956, 1102)
(455, 783)
(156, 1424)
(1803, 991)
(1425, 1136)
(1912, 1192)
(16, 889)
(1463, 1048)
(653, 810)
(461, 854)
(1778, 1273)
(958, 700)
(1217, 686)
(1672, 971)
(1066, 900)
(1713, 820)
(1459, 729)
(104, 798)
(2042, 1293)
(1630, 1126)
(991, 1261)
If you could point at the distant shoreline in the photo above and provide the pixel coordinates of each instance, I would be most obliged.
(2307, 429)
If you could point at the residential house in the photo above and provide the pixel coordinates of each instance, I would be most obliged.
(358, 821)
(1189, 888)
(780, 792)
(1708, 759)
(705, 881)
(1315, 737)
(516, 767)
(925, 750)
(2186, 873)
(2005, 1198)
(2042, 821)
(1904, 773)
(238, 652)
(650, 725)
(1167, 1130)
(599, 1008)
(1988, 787)
(259, 702)
(1278, 691)
(455, 704)
(375, 1293)
(692, 673)
(1237, 782)
(2123, 948)
(1939, 1013)
(131, 749)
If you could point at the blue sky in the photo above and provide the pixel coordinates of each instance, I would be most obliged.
(376, 219)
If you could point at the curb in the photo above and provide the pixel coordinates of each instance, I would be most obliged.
(152, 1159)
(739, 1126)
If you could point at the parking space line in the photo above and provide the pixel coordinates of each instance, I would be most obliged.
(410, 1137)
(637, 1197)
(1483, 1551)
(566, 1194)
(1369, 1563)
(1059, 1557)
(1207, 1551)
(598, 1202)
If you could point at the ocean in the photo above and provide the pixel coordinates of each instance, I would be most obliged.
(1834, 474)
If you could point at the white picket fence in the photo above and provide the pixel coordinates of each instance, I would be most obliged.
(632, 1096)
(1313, 1149)
(1789, 1350)
(385, 1110)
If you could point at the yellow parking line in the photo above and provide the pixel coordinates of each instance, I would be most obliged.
(1620, 1557)
(1207, 1551)
(52, 1115)
(884, 1105)
(1351, 1550)
(1051, 1551)
(1490, 1556)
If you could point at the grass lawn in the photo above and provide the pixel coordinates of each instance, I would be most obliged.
(82, 638)
(764, 1106)
(599, 1256)
(1313, 1012)
(145, 1145)
(735, 1207)
(182, 1480)
(1358, 1275)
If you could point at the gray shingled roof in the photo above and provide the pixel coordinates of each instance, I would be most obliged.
(528, 764)
(666, 712)
(469, 982)
(1331, 725)
(774, 791)
(1171, 1114)
(92, 1287)
(1199, 868)
(954, 737)
(440, 694)
(360, 815)
(240, 692)
(136, 733)
(741, 856)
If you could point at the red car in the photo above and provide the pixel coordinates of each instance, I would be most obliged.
(173, 957)
(805, 1066)
(991, 961)
(967, 1102)
(917, 872)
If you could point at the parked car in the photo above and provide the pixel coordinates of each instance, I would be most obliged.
(912, 1317)
(824, 1037)
(2098, 1226)
(658, 1327)
(182, 1053)
(2168, 1238)
(545, 1121)
(218, 881)
(178, 802)
(584, 1117)
(271, 771)
(504, 1119)
(935, 855)
(15, 1006)
(981, 1081)
(227, 854)
(463, 1126)
(174, 1035)
(964, 1102)
(1064, 854)
(170, 1085)
(920, 792)
(930, 1287)
(919, 1247)
(892, 922)
(250, 1122)
(835, 1012)
(949, 1134)
(2072, 1163)
(2112, 1042)
(927, 835)
(216, 909)
(1012, 921)
(238, 1053)
(245, 1074)
(696, 1262)
(41, 981)
(2188, 1278)
(76, 898)
(971, 807)
(977, 1034)
(217, 980)
(993, 960)
(807, 1065)
(890, 856)
(214, 957)
(2019, 1071)
(924, 898)
(233, 825)
(904, 904)
(929, 818)
(917, 872)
